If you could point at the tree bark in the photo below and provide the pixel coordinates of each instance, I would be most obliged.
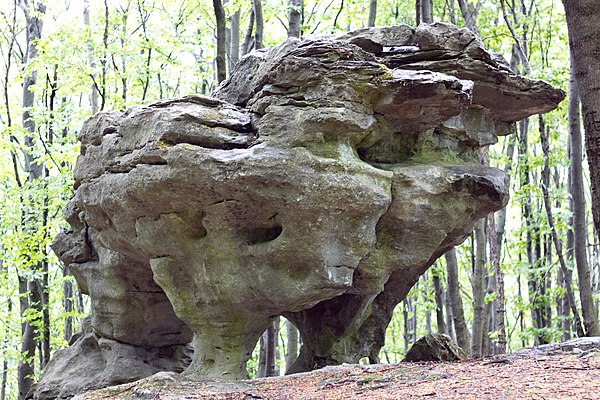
(427, 11)
(460, 326)
(588, 309)
(469, 12)
(258, 32)
(438, 292)
(499, 276)
(292, 344)
(249, 39)
(294, 17)
(221, 40)
(478, 284)
(372, 13)
(548, 207)
(234, 48)
(91, 62)
(29, 291)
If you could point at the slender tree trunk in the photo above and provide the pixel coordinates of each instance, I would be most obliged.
(372, 13)
(249, 39)
(590, 318)
(234, 48)
(427, 11)
(294, 17)
(584, 39)
(221, 40)
(292, 344)
(469, 12)
(91, 62)
(531, 231)
(548, 207)
(258, 32)
(438, 292)
(30, 291)
(451, 11)
(449, 317)
(499, 276)
(460, 326)
(6, 334)
(418, 11)
(103, 61)
(426, 293)
(478, 284)
(268, 346)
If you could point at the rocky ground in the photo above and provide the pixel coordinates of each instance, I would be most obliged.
(564, 371)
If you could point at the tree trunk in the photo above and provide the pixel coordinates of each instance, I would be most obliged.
(249, 39)
(258, 32)
(460, 326)
(221, 40)
(499, 276)
(478, 284)
(292, 344)
(268, 345)
(588, 309)
(469, 12)
(438, 292)
(427, 11)
(294, 17)
(548, 207)
(234, 49)
(30, 291)
(91, 62)
(584, 39)
(451, 11)
(372, 13)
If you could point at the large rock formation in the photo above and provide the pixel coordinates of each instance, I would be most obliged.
(320, 182)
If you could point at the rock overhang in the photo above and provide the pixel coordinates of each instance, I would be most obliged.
(322, 168)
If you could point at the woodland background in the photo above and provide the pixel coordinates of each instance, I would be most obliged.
(525, 276)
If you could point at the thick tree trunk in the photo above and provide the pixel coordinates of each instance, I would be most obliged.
(460, 326)
(584, 39)
(478, 283)
(295, 17)
(588, 309)
(221, 40)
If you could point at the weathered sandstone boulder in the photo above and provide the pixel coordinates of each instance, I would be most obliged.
(435, 347)
(322, 179)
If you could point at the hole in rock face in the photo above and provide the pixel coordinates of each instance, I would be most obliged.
(263, 234)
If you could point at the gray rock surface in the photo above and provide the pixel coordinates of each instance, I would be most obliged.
(319, 183)
(435, 347)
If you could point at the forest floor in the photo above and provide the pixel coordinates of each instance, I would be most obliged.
(530, 375)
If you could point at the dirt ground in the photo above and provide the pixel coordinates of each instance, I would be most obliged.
(533, 377)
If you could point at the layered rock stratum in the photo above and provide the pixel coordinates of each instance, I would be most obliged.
(319, 182)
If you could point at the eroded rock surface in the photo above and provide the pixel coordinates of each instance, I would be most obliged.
(435, 347)
(319, 183)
